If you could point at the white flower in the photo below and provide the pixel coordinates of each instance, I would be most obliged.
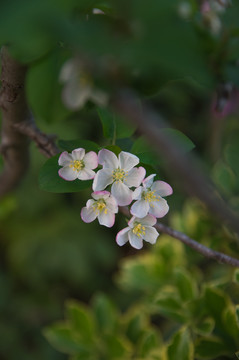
(103, 205)
(77, 165)
(137, 231)
(120, 172)
(79, 88)
(149, 198)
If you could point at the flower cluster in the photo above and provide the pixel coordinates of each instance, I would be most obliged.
(126, 183)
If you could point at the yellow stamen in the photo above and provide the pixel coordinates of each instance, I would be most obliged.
(100, 205)
(139, 229)
(77, 165)
(149, 196)
(119, 174)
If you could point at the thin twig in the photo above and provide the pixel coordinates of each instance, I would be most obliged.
(185, 168)
(202, 249)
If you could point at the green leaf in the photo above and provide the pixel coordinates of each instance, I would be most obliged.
(117, 348)
(236, 276)
(186, 285)
(149, 342)
(171, 307)
(181, 346)
(70, 145)
(223, 177)
(205, 327)
(230, 321)
(216, 301)
(179, 139)
(81, 320)
(210, 348)
(50, 181)
(114, 126)
(62, 338)
(105, 314)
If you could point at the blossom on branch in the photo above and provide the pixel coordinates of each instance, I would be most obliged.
(78, 86)
(103, 206)
(77, 165)
(149, 198)
(121, 173)
(138, 229)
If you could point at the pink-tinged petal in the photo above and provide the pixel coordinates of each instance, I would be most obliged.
(67, 173)
(91, 160)
(122, 193)
(106, 219)
(162, 188)
(102, 179)
(88, 214)
(151, 234)
(127, 161)
(65, 159)
(159, 208)
(135, 241)
(137, 193)
(78, 154)
(100, 195)
(108, 159)
(89, 203)
(140, 208)
(148, 220)
(147, 183)
(86, 174)
(111, 204)
(135, 177)
(123, 236)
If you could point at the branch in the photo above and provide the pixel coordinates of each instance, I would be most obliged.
(185, 168)
(14, 146)
(202, 249)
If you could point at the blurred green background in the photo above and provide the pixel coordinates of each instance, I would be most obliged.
(163, 302)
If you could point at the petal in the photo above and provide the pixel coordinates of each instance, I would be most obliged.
(78, 154)
(111, 204)
(74, 96)
(86, 174)
(88, 214)
(151, 234)
(137, 193)
(67, 173)
(65, 159)
(135, 177)
(149, 181)
(106, 219)
(122, 193)
(67, 70)
(123, 236)
(131, 222)
(89, 203)
(140, 208)
(102, 179)
(100, 195)
(91, 160)
(127, 160)
(162, 188)
(159, 208)
(108, 159)
(99, 97)
(148, 220)
(135, 241)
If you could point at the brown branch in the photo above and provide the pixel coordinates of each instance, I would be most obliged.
(202, 249)
(45, 143)
(185, 168)
(14, 146)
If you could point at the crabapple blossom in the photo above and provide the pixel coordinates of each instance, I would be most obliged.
(103, 206)
(149, 198)
(77, 165)
(78, 86)
(138, 229)
(120, 172)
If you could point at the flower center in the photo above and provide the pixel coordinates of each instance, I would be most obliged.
(100, 205)
(139, 229)
(77, 165)
(149, 196)
(118, 175)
